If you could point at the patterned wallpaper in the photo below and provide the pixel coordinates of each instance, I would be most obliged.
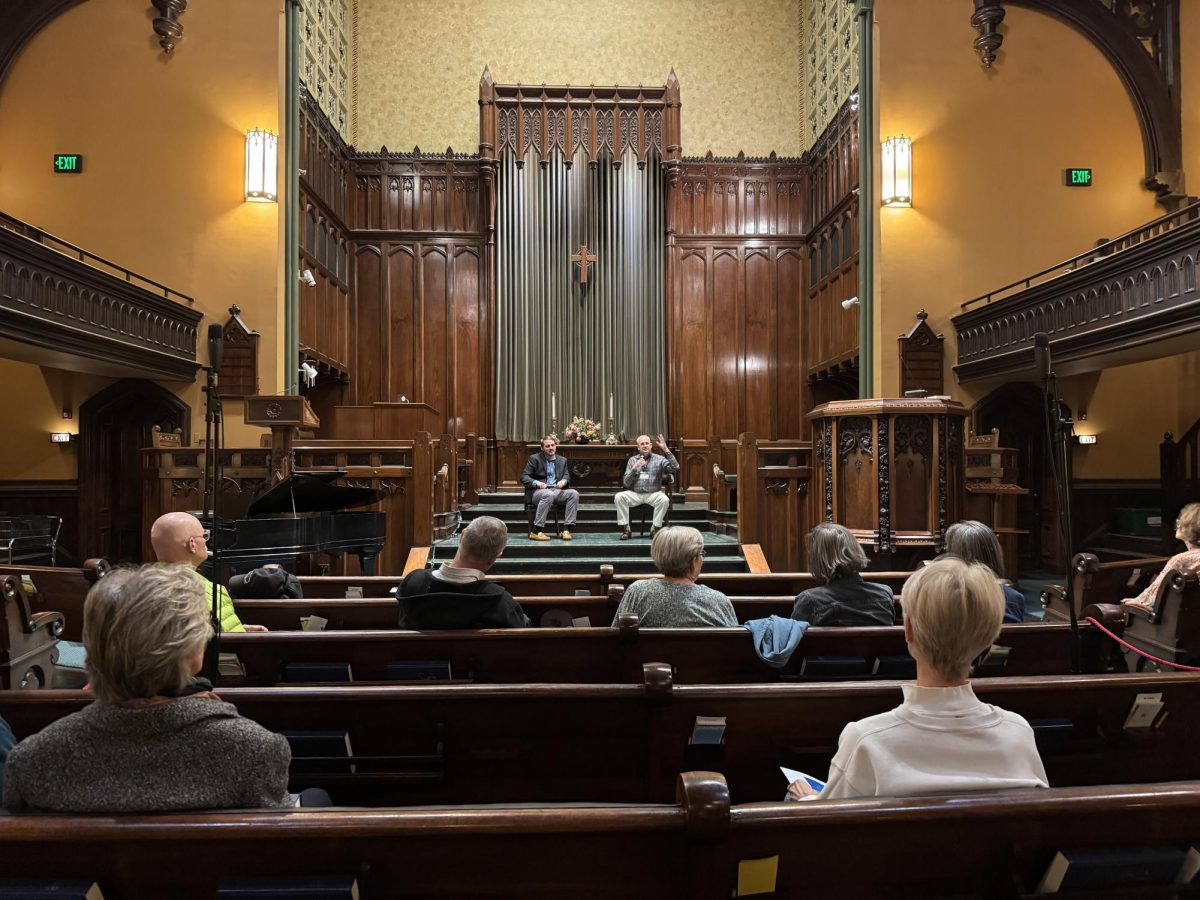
(738, 63)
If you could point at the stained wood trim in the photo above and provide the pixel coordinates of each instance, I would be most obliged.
(756, 560)
(417, 559)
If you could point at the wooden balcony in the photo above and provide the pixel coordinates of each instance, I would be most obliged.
(63, 307)
(1130, 299)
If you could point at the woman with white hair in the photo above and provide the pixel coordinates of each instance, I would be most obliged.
(835, 558)
(942, 738)
(155, 738)
(676, 600)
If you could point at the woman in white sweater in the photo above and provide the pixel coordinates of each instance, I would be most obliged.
(942, 738)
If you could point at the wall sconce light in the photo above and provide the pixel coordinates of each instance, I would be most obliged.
(896, 189)
(1086, 438)
(849, 303)
(261, 166)
(61, 437)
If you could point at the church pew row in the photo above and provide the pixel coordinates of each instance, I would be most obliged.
(774, 584)
(978, 845)
(379, 612)
(61, 590)
(1172, 630)
(1101, 582)
(617, 655)
(628, 743)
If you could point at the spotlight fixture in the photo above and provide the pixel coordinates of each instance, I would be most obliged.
(307, 277)
(849, 303)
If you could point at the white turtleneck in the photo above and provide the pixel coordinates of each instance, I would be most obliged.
(938, 740)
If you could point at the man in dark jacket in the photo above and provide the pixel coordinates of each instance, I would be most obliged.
(546, 478)
(456, 595)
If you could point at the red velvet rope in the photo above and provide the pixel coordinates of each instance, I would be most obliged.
(1129, 646)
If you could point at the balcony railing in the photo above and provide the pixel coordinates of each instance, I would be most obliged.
(1127, 299)
(76, 310)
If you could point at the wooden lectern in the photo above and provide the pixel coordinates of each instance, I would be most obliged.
(283, 415)
(890, 470)
(384, 422)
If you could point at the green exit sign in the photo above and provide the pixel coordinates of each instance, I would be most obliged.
(1077, 177)
(68, 163)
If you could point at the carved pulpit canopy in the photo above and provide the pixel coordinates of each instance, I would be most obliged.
(239, 370)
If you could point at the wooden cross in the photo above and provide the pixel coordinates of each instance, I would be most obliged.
(583, 259)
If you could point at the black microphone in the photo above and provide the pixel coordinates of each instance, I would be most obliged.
(216, 346)
(1041, 355)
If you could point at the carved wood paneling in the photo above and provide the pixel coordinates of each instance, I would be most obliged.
(1098, 310)
(84, 318)
(921, 358)
(741, 196)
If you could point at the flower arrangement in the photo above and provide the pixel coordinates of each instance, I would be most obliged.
(581, 431)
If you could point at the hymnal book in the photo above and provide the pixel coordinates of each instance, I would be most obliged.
(20, 889)
(320, 751)
(313, 887)
(313, 623)
(419, 670)
(708, 730)
(582, 622)
(895, 667)
(995, 656)
(301, 673)
(793, 775)
(1190, 867)
(229, 665)
(833, 666)
(354, 592)
(1075, 870)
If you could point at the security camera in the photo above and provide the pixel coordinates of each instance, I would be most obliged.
(307, 277)
(849, 303)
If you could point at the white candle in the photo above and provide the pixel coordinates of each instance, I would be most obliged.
(610, 405)
(552, 413)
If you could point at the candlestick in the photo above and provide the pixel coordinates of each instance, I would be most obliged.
(553, 413)
(610, 404)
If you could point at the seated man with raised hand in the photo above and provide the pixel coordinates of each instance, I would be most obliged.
(546, 477)
(643, 482)
(178, 538)
(942, 738)
(155, 739)
(456, 595)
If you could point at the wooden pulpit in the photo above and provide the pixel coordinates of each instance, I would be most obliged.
(283, 414)
(384, 422)
(890, 470)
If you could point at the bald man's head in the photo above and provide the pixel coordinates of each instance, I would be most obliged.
(178, 537)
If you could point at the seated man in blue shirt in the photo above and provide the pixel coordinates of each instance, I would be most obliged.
(546, 478)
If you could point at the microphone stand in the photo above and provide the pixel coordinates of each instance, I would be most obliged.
(212, 493)
(1058, 436)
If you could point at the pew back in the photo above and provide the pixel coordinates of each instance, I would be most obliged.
(628, 743)
(1101, 582)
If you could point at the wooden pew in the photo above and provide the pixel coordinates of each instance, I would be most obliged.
(1172, 630)
(62, 590)
(627, 743)
(984, 845)
(380, 612)
(28, 638)
(617, 655)
(1097, 582)
(741, 584)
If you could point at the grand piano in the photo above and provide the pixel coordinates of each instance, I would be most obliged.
(304, 513)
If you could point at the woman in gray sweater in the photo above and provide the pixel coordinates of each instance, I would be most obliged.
(675, 600)
(154, 739)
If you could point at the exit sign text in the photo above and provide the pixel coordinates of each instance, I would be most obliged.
(68, 163)
(1077, 177)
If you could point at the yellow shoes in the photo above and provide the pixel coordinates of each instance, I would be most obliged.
(538, 536)
(565, 535)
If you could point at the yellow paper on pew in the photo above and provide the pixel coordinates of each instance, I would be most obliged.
(757, 876)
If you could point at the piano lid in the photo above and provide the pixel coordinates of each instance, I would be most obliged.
(311, 492)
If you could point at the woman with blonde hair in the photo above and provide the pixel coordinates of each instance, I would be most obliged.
(676, 600)
(835, 558)
(1187, 529)
(942, 737)
(155, 738)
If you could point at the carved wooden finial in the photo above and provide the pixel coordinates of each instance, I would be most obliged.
(383, 149)
(235, 310)
(986, 20)
(416, 150)
(487, 76)
(166, 23)
(922, 315)
(449, 150)
(672, 79)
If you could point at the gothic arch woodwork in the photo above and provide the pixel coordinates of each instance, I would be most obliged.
(22, 22)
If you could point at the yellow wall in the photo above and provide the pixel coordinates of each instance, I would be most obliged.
(162, 189)
(738, 65)
(989, 205)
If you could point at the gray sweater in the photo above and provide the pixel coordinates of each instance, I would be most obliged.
(665, 604)
(194, 752)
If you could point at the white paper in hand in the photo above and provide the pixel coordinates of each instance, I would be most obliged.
(792, 775)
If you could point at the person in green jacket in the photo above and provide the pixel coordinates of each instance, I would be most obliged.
(178, 538)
